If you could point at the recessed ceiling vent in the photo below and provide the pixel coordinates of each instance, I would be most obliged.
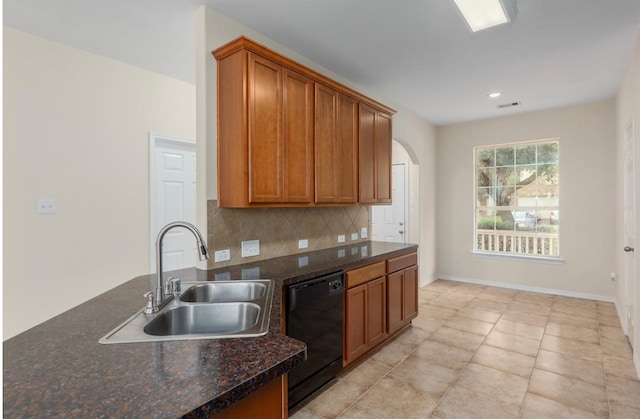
(509, 105)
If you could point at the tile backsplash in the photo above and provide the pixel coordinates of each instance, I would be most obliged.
(280, 229)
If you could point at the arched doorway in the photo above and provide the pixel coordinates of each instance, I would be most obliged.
(399, 222)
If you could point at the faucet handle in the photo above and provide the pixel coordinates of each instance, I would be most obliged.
(175, 285)
(151, 307)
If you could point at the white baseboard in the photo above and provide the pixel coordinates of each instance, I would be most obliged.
(623, 317)
(521, 287)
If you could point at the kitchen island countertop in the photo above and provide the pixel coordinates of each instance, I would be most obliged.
(58, 368)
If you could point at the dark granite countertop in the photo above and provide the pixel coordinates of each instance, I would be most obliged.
(58, 368)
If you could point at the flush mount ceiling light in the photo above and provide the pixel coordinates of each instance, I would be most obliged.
(494, 95)
(483, 14)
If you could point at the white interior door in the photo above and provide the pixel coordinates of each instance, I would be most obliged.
(388, 222)
(630, 207)
(173, 199)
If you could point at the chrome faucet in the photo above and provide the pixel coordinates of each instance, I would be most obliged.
(165, 290)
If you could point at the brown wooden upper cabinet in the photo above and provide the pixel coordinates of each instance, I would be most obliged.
(374, 156)
(336, 147)
(298, 138)
(288, 136)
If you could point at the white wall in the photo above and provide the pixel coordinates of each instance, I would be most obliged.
(76, 130)
(215, 29)
(628, 105)
(587, 197)
(419, 139)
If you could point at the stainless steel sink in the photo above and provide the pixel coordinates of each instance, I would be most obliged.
(210, 310)
(204, 319)
(219, 292)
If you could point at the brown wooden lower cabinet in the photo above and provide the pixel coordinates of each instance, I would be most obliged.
(365, 318)
(355, 338)
(395, 312)
(268, 402)
(378, 306)
(402, 298)
(410, 293)
(377, 311)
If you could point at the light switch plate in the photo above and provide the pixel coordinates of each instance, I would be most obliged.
(47, 206)
(303, 244)
(354, 236)
(341, 238)
(363, 232)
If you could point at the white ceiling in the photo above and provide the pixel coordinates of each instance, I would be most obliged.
(417, 54)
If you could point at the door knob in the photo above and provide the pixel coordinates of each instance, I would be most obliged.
(628, 249)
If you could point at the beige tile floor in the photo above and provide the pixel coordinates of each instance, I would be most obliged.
(485, 352)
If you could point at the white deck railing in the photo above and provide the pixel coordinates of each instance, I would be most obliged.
(519, 242)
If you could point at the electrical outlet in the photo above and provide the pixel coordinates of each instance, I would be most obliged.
(354, 236)
(364, 232)
(222, 255)
(250, 248)
(613, 276)
(303, 244)
(47, 206)
(341, 238)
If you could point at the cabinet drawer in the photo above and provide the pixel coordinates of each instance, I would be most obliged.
(366, 273)
(401, 262)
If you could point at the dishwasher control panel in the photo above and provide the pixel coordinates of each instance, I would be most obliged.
(336, 285)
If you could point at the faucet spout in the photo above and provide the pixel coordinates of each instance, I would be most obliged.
(162, 292)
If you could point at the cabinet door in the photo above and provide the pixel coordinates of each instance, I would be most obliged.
(347, 150)
(377, 311)
(383, 158)
(336, 146)
(265, 130)
(298, 137)
(367, 154)
(355, 336)
(267, 402)
(410, 293)
(395, 294)
(325, 144)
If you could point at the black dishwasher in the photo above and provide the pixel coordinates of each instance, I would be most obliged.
(314, 316)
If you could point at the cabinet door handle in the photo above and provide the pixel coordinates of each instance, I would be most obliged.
(628, 249)
(401, 232)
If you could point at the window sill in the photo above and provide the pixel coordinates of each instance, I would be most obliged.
(553, 260)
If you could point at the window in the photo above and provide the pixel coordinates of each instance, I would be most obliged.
(517, 199)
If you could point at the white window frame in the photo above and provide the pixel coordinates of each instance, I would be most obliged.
(514, 255)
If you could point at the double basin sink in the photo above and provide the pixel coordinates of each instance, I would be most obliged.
(204, 310)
